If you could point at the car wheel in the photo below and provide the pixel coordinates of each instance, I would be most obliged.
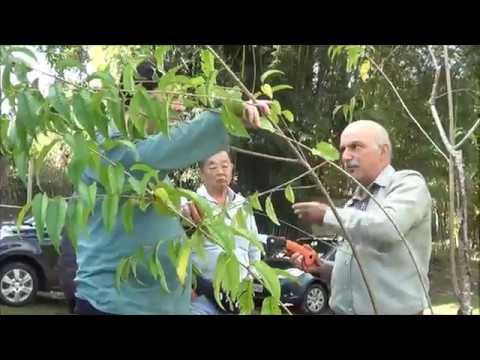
(315, 300)
(18, 284)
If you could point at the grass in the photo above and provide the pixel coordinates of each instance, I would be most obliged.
(443, 298)
(44, 304)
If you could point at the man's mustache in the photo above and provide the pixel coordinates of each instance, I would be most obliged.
(352, 164)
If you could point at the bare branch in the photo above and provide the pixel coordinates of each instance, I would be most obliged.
(10, 206)
(309, 171)
(469, 133)
(406, 108)
(266, 156)
(433, 107)
(458, 90)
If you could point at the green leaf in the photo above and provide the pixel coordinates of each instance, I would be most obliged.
(267, 90)
(98, 112)
(170, 78)
(28, 110)
(345, 110)
(270, 307)
(266, 124)
(154, 110)
(160, 271)
(76, 220)
(183, 260)
(92, 194)
(136, 116)
(21, 215)
(199, 201)
(109, 211)
(127, 214)
(122, 272)
(56, 213)
(233, 124)
(115, 109)
(364, 69)
(245, 299)
(136, 185)
(288, 115)
(83, 113)
(116, 178)
(197, 241)
(162, 114)
(221, 234)
(139, 255)
(253, 199)
(241, 219)
(133, 265)
(152, 267)
(40, 160)
(127, 77)
(208, 62)
(271, 211)
(21, 71)
(269, 278)
(276, 107)
(232, 275)
(250, 236)
(6, 83)
(289, 194)
(57, 99)
(338, 107)
(281, 87)
(21, 165)
(162, 202)
(23, 50)
(39, 210)
(160, 52)
(105, 77)
(197, 81)
(353, 54)
(269, 73)
(326, 151)
(88, 194)
(219, 277)
(284, 273)
(142, 167)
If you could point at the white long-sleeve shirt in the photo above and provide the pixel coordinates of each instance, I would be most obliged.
(388, 267)
(245, 251)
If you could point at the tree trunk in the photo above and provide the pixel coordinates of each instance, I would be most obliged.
(456, 168)
(465, 278)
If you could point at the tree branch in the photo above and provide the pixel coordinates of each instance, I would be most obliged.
(10, 206)
(433, 107)
(406, 108)
(289, 141)
(266, 156)
(457, 90)
(309, 171)
(317, 179)
(469, 133)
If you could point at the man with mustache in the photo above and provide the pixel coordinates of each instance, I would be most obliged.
(366, 154)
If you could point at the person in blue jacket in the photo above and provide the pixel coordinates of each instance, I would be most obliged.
(99, 252)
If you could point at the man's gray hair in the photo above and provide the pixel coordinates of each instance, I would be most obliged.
(381, 135)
